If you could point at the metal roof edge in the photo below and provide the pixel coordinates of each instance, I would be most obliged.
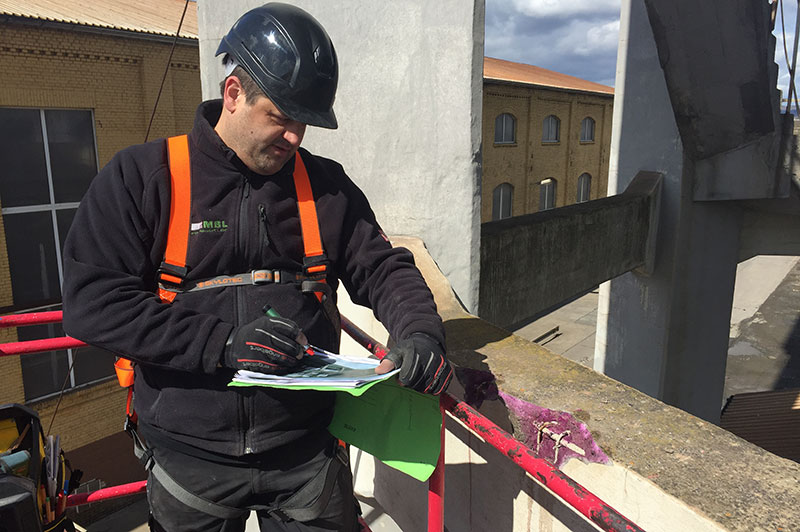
(96, 28)
(528, 84)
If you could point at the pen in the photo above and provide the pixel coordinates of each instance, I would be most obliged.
(272, 313)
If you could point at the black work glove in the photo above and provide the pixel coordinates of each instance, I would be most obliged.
(266, 345)
(423, 366)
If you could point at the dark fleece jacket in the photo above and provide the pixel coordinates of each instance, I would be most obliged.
(116, 244)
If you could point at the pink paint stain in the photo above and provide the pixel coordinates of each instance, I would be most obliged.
(480, 386)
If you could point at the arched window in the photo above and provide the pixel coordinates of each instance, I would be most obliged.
(547, 194)
(502, 197)
(550, 129)
(584, 187)
(505, 129)
(587, 129)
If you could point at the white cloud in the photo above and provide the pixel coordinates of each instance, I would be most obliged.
(580, 37)
(590, 38)
(565, 8)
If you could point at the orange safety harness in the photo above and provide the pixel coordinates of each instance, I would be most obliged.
(306, 503)
(173, 269)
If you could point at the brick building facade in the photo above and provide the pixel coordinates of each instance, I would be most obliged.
(546, 139)
(73, 94)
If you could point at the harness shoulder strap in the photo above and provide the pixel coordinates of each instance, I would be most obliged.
(173, 268)
(315, 262)
(309, 224)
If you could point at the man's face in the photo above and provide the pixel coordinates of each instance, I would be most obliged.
(262, 136)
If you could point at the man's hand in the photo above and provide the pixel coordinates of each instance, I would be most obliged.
(423, 366)
(266, 345)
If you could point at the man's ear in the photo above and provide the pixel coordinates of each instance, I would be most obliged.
(232, 93)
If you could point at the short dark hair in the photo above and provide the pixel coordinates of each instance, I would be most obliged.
(251, 90)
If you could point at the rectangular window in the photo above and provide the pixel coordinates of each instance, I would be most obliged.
(23, 180)
(49, 159)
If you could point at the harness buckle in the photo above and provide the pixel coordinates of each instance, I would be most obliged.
(129, 426)
(315, 267)
(258, 277)
(147, 459)
(172, 275)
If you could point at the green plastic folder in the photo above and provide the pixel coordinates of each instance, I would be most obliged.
(396, 425)
(349, 391)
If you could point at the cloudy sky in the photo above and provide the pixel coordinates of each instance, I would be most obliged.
(577, 37)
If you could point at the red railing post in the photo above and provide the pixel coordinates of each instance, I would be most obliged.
(436, 489)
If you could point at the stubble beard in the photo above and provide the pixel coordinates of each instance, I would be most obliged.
(267, 163)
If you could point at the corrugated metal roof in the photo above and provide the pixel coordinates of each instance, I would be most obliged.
(159, 17)
(769, 419)
(501, 70)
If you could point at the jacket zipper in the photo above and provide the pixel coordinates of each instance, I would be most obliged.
(264, 228)
(247, 401)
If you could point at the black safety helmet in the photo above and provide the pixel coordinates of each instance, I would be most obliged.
(290, 56)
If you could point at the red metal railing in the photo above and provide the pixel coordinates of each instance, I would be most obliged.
(544, 472)
(35, 346)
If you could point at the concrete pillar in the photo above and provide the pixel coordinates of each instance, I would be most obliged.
(667, 333)
(409, 110)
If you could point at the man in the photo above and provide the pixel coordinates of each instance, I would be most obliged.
(232, 449)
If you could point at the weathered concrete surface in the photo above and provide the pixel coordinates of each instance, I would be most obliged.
(666, 333)
(530, 263)
(771, 227)
(717, 59)
(409, 111)
(672, 471)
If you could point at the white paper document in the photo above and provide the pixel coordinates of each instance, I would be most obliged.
(323, 370)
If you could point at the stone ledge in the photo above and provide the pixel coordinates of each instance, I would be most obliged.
(735, 484)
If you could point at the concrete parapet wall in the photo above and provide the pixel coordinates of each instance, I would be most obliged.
(668, 470)
(530, 263)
